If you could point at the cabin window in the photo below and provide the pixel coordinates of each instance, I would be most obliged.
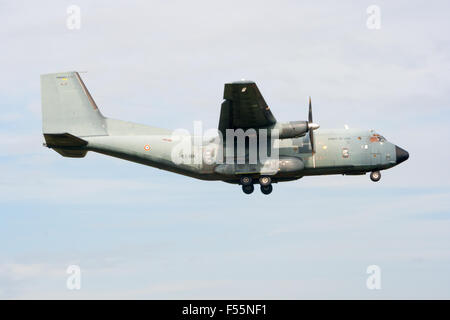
(345, 153)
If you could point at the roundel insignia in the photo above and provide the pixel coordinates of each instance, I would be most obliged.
(146, 147)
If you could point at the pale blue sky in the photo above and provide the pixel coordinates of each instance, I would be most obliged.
(138, 232)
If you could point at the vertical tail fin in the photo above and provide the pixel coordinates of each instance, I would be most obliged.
(67, 106)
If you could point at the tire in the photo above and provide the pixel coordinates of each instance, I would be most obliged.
(265, 181)
(267, 189)
(248, 188)
(375, 176)
(245, 180)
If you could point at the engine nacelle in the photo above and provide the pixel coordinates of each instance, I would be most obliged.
(292, 129)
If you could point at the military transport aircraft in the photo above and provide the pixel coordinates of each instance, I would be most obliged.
(73, 125)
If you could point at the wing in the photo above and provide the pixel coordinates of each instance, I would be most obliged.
(244, 107)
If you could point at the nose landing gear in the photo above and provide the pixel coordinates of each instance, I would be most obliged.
(375, 176)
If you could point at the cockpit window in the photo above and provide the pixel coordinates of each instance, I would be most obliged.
(377, 138)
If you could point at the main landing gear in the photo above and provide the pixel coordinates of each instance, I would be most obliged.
(264, 181)
(266, 189)
(266, 184)
(375, 176)
(247, 184)
(248, 189)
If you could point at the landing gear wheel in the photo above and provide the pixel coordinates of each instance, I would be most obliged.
(265, 181)
(245, 181)
(248, 188)
(266, 189)
(375, 176)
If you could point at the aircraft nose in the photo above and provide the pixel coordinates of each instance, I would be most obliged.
(401, 154)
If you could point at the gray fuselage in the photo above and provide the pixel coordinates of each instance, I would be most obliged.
(340, 151)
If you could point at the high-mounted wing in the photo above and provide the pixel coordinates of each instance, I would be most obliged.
(244, 107)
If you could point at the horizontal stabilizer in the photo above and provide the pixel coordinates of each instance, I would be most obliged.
(66, 144)
(71, 153)
(63, 140)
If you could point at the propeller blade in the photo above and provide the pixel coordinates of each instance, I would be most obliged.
(312, 126)
(310, 118)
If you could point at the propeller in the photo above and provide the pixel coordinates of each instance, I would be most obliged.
(311, 127)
